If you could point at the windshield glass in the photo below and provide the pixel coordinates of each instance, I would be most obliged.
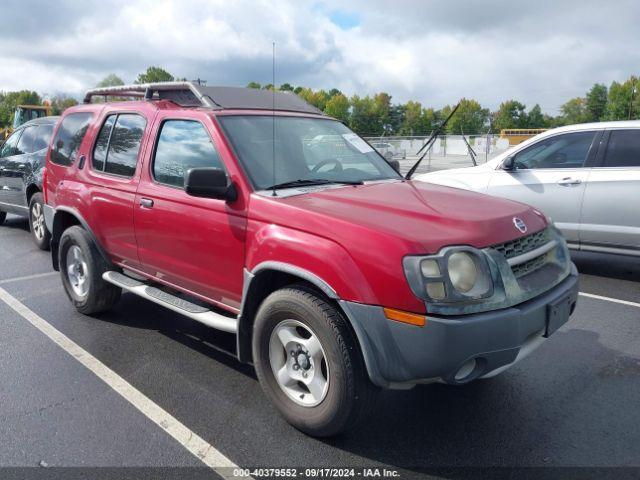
(305, 149)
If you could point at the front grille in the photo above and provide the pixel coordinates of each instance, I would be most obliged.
(531, 266)
(518, 247)
(524, 244)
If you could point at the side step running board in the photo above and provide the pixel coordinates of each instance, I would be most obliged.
(177, 304)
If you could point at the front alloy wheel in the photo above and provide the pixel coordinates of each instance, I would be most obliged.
(309, 363)
(299, 363)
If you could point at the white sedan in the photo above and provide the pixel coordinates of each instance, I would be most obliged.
(585, 177)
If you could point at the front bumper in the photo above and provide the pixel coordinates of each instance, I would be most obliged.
(398, 355)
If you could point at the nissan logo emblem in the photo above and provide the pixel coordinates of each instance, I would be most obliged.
(520, 225)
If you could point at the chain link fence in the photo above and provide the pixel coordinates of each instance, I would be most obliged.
(448, 151)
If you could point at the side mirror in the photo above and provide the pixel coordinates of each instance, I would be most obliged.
(509, 163)
(209, 183)
(395, 164)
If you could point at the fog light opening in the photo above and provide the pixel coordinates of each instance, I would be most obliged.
(466, 370)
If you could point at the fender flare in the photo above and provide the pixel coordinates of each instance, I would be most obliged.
(56, 234)
(243, 337)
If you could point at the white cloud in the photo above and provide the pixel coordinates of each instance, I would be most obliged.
(435, 52)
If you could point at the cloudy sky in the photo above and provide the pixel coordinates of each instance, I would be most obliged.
(433, 51)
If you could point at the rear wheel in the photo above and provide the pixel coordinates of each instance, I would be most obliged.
(39, 232)
(3, 217)
(81, 269)
(309, 363)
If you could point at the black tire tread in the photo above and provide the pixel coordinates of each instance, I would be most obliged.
(359, 387)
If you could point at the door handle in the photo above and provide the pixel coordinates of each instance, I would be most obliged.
(146, 203)
(568, 181)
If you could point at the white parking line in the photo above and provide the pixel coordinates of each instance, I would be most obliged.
(28, 277)
(206, 452)
(609, 299)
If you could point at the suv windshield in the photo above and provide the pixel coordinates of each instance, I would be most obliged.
(308, 151)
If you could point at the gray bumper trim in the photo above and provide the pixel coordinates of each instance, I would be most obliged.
(399, 355)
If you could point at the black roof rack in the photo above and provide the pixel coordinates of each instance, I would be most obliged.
(189, 94)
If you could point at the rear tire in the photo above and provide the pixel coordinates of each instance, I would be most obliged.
(300, 317)
(3, 217)
(81, 269)
(39, 232)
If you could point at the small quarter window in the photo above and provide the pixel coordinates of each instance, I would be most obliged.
(183, 145)
(69, 137)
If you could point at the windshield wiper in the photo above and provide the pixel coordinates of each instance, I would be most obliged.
(307, 182)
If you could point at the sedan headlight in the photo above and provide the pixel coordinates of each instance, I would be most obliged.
(455, 274)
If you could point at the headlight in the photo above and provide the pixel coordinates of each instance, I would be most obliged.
(463, 272)
(455, 274)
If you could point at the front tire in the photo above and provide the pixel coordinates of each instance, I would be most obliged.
(81, 268)
(309, 363)
(39, 232)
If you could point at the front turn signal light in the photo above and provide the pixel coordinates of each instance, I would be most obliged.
(405, 317)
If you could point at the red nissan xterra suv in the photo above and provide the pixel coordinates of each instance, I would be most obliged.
(254, 213)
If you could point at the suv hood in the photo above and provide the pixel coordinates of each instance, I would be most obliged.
(426, 216)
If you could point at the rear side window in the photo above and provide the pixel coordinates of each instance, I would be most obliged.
(9, 147)
(43, 137)
(69, 137)
(182, 145)
(25, 145)
(118, 145)
(623, 149)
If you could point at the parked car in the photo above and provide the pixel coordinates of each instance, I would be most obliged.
(336, 275)
(22, 159)
(388, 151)
(585, 177)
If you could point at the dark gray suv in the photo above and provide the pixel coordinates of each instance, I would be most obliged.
(22, 160)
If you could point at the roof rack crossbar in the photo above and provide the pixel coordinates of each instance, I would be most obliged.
(147, 91)
(188, 94)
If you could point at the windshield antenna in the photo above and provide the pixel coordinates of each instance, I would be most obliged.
(273, 116)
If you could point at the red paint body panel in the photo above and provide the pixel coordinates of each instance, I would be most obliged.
(352, 237)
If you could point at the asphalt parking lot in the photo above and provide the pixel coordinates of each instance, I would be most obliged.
(572, 403)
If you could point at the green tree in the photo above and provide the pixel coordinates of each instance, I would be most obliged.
(153, 75)
(111, 80)
(286, 87)
(318, 99)
(535, 118)
(60, 103)
(382, 112)
(338, 107)
(255, 85)
(364, 118)
(623, 103)
(333, 92)
(412, 123)
(511, 114)
(469, 118)
(574, 111)
(11, 100)
(596, 103)
(268, 86)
